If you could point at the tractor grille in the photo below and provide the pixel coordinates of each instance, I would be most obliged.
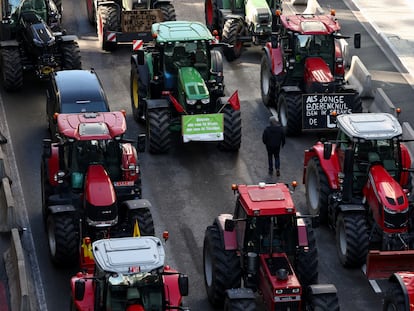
(395, 220)
(287, 306)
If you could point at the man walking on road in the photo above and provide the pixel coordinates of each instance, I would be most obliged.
(273, 137)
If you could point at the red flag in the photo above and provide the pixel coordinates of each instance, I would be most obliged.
(176, 104)
(234, 101)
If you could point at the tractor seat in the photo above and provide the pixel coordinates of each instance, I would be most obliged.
(133, 294)
(373, 157)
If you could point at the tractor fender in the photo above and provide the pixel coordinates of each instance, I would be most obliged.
(69, 38)
(229, 237)
(8, 43)
(274, 58)
(233, 16)
(330, 166)
(157, 103)
(56, 209)
(98, 3)
(344, 208)
(404, 280)
(240, 293)
(319, 289)
(291, 89)
(136, 204)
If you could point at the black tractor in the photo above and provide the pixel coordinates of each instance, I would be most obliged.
(32, 39)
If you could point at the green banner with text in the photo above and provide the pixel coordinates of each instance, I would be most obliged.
(202, 127)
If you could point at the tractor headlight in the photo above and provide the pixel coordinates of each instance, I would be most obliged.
(205, 101)
(191, 101)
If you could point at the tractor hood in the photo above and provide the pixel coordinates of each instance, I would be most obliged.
(387, 200)
(318, 76)
(100, 198)
(192, 84)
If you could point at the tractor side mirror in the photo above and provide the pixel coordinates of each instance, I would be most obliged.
(327, 150)
(79, 289)
(183, 284)
(140, 57)
(229, 225)
(141, 143)
(47, 148)
(357, 40)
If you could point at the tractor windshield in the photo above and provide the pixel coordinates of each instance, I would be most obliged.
(184, 54)
(315, 45)
(145, 289)
(274, 234)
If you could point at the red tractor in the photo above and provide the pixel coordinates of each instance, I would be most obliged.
(359, 186)
(302, 73)
(91, 184)
(267, 246)
(130, 275)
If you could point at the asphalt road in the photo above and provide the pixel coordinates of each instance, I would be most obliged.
(192, 184)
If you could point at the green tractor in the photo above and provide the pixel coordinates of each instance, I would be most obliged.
(177, 85)
(240, 22)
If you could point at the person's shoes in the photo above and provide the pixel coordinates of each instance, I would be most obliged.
(270, 172)
(277, 172)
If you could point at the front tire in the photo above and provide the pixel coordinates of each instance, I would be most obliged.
(232, 130)
(394, 299)
(307, 261)
(71, 57)
(138, 94)
(12, 69)
(317, 190)
(325, 302)
(158, 130)
(289, 109)
(232, 29)
(239, 304)
(107, 21)
(221, 268)
(352, 240)
(63, 238)
(267, 83)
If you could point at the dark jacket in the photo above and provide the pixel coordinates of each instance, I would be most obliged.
(273, 137)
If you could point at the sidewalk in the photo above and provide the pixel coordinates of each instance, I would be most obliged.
(393, 24)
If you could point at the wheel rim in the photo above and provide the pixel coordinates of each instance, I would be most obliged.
(208, 271)
(51, 237)
(135, 96)
(313, 193)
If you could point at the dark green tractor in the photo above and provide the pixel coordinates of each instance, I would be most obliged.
(177, 85)
(240, 22)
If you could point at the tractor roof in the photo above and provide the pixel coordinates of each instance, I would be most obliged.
(266, 199)
(129, 255)
(369, 125)
(180, 31)
(310, 24)
(91, 125)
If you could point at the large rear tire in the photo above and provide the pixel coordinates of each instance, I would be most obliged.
(138, 94)
(158, 130)
(324, 302)
(168, 11)
(352, 240)
(307, 261)
(394, 299)
(71, 57)
(289, 109)
(317, 190)
(221, 268)
(107, 21)
(232, 130)
(63, 238)
(267, 83)
(231, 31)
(12, 69)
